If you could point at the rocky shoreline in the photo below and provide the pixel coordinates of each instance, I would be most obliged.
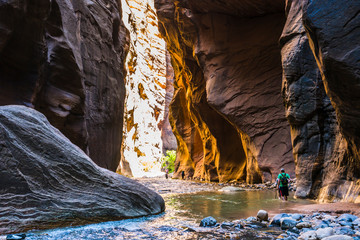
(292, 226)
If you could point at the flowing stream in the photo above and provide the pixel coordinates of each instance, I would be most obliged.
(181, 218)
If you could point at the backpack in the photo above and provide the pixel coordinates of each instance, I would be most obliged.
(283, 179)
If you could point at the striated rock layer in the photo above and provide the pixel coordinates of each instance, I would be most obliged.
(227, 112)
(46, 181)
(145, 91)
(65, 59)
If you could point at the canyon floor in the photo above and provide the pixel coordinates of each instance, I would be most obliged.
(167, 187)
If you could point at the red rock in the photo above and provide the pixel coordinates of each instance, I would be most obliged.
(227, 110)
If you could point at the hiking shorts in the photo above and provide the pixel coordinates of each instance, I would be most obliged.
(284, 191)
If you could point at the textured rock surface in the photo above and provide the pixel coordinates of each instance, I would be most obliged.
(334, 35)
(227, 109)
(167, 135)
(319, 149)
(65, 58)
(146, 89)
(46, 181)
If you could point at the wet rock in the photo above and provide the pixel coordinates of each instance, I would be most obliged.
(277, 218)
(356, 221)
(321, 224)
(301, 225)
(251, 219)
(309, 235)
(293, 230)
(297, 217)
(287, 222)
(227, 225)
(347, 218)
(324, 232)
(208, 222)
(344, 230)
(344, 223)
(55, 183)
(16, 236)
(338, 237)
(262, 215)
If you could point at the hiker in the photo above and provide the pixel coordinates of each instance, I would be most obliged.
(183, 175)
(166, 173)
(282, 183)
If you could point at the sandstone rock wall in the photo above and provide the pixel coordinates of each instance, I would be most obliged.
(334, 37)
(146, 90)
(227, 110)
(48, 182)
(319, 148)
(65, 58)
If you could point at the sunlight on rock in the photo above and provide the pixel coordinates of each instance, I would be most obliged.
(145, 91)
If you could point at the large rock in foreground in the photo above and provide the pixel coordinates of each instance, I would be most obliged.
(46, 181)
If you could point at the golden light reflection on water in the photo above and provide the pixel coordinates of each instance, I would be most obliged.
(230, 206)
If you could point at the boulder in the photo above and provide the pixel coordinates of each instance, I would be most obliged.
(324, 232)
(46, 181)
(347, 217)
(277, 218)
(262, 215)
(287, 222)
(208, 222)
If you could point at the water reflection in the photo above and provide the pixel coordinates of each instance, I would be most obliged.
(230, 206)
(182, 212)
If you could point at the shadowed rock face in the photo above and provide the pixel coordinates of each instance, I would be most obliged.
(65, 58)
(46, 181)
(334, 36)
(319, 149)
(227, 110)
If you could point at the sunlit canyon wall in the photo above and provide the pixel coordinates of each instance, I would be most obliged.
(227, 110)
(239, 63)
(146, 92)
(66, 59)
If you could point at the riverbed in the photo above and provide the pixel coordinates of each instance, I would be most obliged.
(187, 202)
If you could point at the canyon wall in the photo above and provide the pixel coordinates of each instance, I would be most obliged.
(334, 36)
(227, 112)
(146, 90)
(319, 148)
(66, 59)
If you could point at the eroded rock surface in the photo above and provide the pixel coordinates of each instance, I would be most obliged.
(65, 59)
(318, 145)
(46, 181)
(145, 91)
(227, 109)
(334, 36)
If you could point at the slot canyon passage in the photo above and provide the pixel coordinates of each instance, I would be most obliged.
(99, 98)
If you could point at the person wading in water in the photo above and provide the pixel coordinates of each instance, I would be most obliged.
(282, 183)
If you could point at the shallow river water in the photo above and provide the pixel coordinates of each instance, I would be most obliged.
(182, 217)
